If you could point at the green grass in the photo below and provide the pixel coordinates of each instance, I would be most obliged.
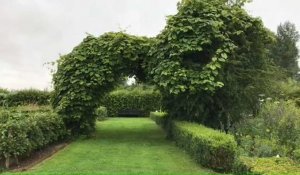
(122, 146)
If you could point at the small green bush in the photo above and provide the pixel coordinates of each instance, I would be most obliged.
(143, 100)
(22, 133)
(101, 113)
(210, 148)
(29, 96)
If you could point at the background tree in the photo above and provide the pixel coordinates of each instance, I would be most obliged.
(285, 51)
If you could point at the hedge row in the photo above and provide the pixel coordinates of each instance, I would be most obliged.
(137, 100)
(24, 97)
(210, 148)
(21, 133)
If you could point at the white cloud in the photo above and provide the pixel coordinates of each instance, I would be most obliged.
(34, 32)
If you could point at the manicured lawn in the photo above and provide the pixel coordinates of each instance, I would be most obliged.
(122, 145)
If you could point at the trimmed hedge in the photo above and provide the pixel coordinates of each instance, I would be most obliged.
(138, 100)
(21, 133)
(27, 96)
(210, 148)
(101, 113)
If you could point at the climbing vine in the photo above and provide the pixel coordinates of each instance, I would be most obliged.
(186, 61)
(92, 69)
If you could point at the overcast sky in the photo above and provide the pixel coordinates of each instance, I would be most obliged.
(33, 32)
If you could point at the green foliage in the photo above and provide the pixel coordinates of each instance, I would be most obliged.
(90, 71)
(3, 97)
(288, 90)
(192, 48)
(30, 108)
(143, 99)
(275, 131)
(271, 166)
(28, 96)
(162, 119)
(101, 113)
(22, 133)
(158, 117)
(296, 155)
(4, 91)
(212, 62)
(285, 52)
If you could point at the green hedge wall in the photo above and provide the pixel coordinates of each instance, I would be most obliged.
(135, 99)
(23, 132)
(210, 148)
(27, 96)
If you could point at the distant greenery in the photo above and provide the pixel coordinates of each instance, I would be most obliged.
(24, 97)
(3, 91)
(288, 90)
(101, 113)
(285, 51)
(137, 98)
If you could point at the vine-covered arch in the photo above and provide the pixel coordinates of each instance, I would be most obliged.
(91, 70)
(187, 61)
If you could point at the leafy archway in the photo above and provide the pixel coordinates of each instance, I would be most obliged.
(189, 61)
(91, 70)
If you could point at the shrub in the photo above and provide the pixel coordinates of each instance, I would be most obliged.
(30, 96)
(288, 90)
(162, 119)
(3, 95)
(275, 130)
(210, 148)
(159, 117)
(22, 133)
(31, 108)
(101, 113)
(296, 155)
(3, 99)
(136, 99)
(271, 165)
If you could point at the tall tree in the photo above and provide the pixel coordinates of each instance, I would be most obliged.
(285, 51)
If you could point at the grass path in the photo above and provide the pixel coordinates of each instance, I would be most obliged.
(122, 145)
